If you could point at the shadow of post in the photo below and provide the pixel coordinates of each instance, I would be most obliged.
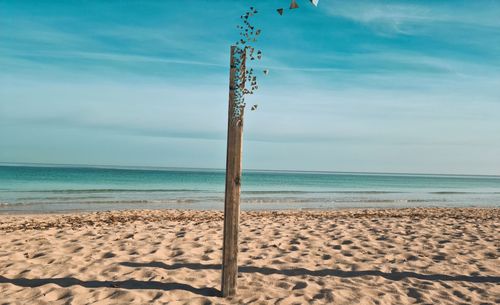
(208, 292)
(128, 284)
(393, 276)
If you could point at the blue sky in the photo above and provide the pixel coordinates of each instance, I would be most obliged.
(377, 86)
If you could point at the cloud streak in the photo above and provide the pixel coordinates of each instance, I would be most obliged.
(395, 14)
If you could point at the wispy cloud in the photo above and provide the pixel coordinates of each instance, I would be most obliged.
(396, 15)
(114, 57)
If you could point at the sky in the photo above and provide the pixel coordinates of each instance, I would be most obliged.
(357, 86)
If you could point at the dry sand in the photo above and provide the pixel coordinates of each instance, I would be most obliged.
(428, 256)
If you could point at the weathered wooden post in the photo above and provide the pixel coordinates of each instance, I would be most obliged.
(233, 173)
(237, 79)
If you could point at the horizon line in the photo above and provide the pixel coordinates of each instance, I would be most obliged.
(164, 168)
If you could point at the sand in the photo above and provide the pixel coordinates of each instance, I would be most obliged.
(399, 256)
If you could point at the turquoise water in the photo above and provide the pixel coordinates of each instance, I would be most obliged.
(57, 188)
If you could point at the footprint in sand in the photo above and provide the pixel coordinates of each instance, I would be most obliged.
(108, 255)
(299, 285)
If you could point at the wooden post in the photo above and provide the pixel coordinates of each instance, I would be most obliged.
(233, 181)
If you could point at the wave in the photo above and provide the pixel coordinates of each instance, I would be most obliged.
(83, 191)
(100, 202)
(221, 200)
(111, 190)
(461, 193)
(321, 192)
(145, 201)
(254, 192)
(325, 200)
(60, 198)
(451, 193)
(363, 192)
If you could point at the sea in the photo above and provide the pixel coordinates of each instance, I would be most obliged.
(54, 188)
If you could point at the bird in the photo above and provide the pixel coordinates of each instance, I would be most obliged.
(314, 2)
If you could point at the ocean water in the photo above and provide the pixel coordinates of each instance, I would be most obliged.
(58, 188)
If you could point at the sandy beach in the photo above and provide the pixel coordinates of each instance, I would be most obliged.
(394, 256)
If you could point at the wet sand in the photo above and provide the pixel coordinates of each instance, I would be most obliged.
(395, 256)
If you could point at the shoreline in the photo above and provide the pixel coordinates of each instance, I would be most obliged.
(61, 219)
(243, 210)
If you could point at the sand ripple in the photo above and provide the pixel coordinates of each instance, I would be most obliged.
(399, 256)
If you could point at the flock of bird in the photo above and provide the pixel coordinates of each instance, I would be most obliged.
(249, 34)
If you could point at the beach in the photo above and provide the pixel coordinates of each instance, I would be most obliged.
(353, 256)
